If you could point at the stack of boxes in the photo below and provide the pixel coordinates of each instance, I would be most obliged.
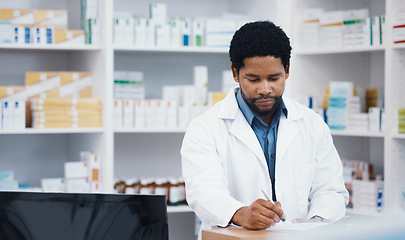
(356, 120)
(318, 29)
(398, 31)
(55, 100)
(37, 26)
(161, 31)
(356, 28)
(308, 29)
(178, 106)
(330, 31)
(368, 195)
(83, 176)
(365, 188)
(345, 111)
(66, 113)
(128, 85)
(62, 100)
(339, 103)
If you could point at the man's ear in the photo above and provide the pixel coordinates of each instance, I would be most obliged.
(235, 73)
(287, 71)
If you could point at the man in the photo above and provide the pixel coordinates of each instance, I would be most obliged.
(256, 139)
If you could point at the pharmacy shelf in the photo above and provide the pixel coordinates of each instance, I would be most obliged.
(366, 213)
(171, 49)
(156, 130)
(399, 136)
(52, 131)
(53, 47)
(179, 209)
(343, 50)
(356, 133)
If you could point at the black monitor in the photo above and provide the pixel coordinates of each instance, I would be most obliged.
(43, 216)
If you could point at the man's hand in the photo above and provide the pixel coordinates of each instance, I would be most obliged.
(260, 214)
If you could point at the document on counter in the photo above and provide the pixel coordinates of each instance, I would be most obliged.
(288, 226)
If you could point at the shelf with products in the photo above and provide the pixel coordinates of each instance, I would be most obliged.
(365, 65)
(27, 150)
(157, 152)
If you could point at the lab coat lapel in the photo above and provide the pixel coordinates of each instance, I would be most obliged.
(287, 130)
(244, 133)
(239, 127)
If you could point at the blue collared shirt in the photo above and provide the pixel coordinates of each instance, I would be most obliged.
(267, 135)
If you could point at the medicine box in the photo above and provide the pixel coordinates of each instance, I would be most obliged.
(74, 37)
(77, 185)
(6, 32)
(53, 185)
(6, 175)
(75, 170)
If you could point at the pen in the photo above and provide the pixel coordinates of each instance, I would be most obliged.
(268, 199)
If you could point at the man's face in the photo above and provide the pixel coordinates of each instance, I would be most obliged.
(262, 82)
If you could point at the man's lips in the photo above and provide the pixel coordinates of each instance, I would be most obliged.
(267, 101)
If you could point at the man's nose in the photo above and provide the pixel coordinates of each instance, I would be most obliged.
(265, 88)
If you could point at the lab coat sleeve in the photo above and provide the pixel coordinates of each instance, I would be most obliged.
(328, 197)
(206, 183)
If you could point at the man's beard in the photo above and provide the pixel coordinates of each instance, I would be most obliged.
(252, 104)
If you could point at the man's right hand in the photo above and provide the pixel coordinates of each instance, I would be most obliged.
(260, 214)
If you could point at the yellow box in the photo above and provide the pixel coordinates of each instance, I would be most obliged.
(7, 91)
(58, 84)
(69, 37)
(17, 16)
(46, 17)
(32, 78)
(40, 82)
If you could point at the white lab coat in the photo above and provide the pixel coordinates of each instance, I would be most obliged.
(224, 167)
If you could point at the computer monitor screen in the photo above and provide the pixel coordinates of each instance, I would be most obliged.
(42, 216)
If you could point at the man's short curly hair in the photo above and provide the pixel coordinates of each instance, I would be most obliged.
(259, 39)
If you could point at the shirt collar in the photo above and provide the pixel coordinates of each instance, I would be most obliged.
(248, 113)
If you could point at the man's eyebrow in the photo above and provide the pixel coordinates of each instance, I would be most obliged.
(251, 75)
(275, 75)
(256, 76)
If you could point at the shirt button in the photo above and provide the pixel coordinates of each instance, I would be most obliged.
(272, 155)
